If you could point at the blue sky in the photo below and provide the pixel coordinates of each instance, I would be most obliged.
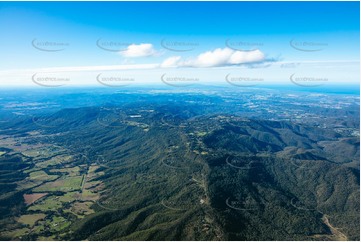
(318, 39)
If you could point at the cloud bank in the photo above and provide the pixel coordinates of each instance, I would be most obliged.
(216, 58)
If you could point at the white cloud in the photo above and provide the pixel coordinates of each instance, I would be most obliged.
(241, 57)
(141, 50)
(171, 62)
(218, 57)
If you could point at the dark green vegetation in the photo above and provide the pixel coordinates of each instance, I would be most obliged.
(180, 167)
